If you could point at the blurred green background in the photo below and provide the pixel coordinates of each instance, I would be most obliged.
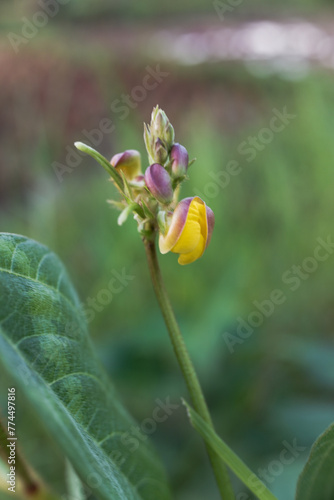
(228, 69)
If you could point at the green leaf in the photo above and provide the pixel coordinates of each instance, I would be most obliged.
(229, 457)
(102, 161)
(49, 466)
(317, 479)
(45, 349)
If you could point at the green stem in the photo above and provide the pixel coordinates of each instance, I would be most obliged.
(187, 368)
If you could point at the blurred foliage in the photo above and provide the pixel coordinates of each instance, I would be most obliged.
(278, 384)
(129, 10)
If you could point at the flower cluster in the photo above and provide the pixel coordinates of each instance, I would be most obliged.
(184, 227)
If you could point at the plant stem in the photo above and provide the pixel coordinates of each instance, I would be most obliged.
(186, 365)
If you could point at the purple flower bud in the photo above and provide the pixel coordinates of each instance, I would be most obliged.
(159, 183)
(180, 160)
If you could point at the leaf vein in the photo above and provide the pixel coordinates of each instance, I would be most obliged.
(27, 337)
(7, 317)
(74, 307)
(86, 374)
(61, 275)
(13, 254)
(110, 435)
(41, 262)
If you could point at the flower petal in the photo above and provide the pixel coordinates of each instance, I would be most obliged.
(191, 233)
(169, 240)
(188, 258)
(201, 209)
(210, 217)
(190, 230)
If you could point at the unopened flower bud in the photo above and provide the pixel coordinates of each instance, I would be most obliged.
(160, 152)
(180, 159)
(159, 122)
(159, 183)
(128, 162)
(160, 129)
(169, 135)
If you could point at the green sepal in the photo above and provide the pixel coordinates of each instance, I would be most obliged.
(162, 221)
(148, 213)
(116, 204)
(127, 190)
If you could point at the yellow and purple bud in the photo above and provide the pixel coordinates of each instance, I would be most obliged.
(189, 230)
(180, 159)
(128, 162)
(159, 183)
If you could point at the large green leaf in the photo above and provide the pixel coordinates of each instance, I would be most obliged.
(45, 349)
(316, 481)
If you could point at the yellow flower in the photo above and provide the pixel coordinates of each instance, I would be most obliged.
(189, 231)
(128, 162)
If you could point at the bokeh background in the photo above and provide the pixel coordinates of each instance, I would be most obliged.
(229, 65)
